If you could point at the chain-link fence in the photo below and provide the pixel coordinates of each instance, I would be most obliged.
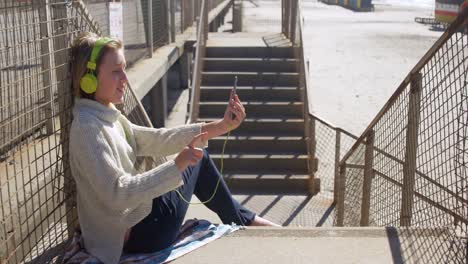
(409, 168)
(35, 111)
(37, 194)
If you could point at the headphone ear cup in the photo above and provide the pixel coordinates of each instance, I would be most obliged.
(88, 83)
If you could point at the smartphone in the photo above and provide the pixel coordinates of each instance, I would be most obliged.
(233, 116)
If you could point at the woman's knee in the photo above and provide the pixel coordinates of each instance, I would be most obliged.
(206, 155)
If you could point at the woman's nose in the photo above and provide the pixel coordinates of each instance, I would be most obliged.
(124, 77)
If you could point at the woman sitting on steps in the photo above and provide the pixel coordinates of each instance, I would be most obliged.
(120, 207)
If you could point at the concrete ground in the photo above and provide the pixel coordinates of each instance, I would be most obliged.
(291, 245)
(357, 59)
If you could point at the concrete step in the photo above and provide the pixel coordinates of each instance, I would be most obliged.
(270, 79)
(267, 183)
(251, 93)
(301, 245)
(251, 64)
(294, 126)
(294, 162)
(250, 52)
(255, 109)
(292, 210)
(252, 144)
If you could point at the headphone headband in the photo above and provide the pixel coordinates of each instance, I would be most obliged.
(98, 45)
(89, 82)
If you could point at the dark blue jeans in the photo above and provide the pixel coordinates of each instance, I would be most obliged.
(160, 228)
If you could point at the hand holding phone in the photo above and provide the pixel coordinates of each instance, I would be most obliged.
(233, 94)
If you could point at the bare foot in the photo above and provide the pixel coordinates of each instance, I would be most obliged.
(259, 221)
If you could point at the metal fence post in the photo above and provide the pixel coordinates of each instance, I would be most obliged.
(286, 18)
(172, 18)
(60, 28)
(341, 196)
(237, 16)
(337, 165)
(368, 172)
(206, 12)
(314, 184)
(150, 28)
(47, 62)
(409, 167)
(293, 18)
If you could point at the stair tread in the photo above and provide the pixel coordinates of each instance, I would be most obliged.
(261, 156)
(248, 73)
(257, 102)
(250, 59)
(258, 137)
(265, 134)
(262, 119)
(220, 87)
(265, 176)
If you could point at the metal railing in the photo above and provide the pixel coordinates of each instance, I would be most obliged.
(202, 37)
(320, 134)
(409, 167)
(203, 27)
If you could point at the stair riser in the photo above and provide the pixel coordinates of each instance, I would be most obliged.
(256, 146)
(213, 95)
(249, 52)
(258, 111)
(296, 128)
(250, 80)
(296, 186)
(298, 166)
(251, 66)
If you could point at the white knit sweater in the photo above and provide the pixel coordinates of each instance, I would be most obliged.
(112, 195)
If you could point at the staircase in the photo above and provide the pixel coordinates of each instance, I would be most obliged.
(268, 152)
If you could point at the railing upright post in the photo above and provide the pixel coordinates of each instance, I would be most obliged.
(409, 167)
(336, 186)
(286, 18)
(182, 15)
(293, 18)
(172, 19)
(283, 15)
(368, 173)
(206, 12)
(237, 16)
(150, 28)
(47, 62)
(341, 196)
(314, 184)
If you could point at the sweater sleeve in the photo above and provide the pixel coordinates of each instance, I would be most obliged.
(95, 160)
(159, 142)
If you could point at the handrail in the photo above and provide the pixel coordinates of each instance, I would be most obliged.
(423, 140)
(461, 19)
(202, 36)
(328, 124)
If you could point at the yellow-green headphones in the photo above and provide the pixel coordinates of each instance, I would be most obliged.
(89, 82)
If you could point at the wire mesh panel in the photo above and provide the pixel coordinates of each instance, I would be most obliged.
(269, 20)
(390, 138)
(37, 210)
(354, 184)
(326, 146)
(419, 165)
(160, 21)
(32, 172)
(134, 34)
